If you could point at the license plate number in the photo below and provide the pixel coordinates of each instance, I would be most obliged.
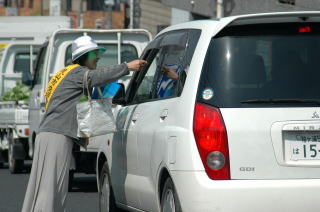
(304, 146)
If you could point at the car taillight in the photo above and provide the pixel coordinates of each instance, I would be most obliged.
(211, 137)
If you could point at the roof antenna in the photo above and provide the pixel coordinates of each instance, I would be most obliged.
(84, 33)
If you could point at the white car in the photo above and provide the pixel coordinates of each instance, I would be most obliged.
(225, 117)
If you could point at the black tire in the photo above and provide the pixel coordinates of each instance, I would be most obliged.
(107, 201)
(1, 160)
(15, 166)
(169, 198)
(71, 179)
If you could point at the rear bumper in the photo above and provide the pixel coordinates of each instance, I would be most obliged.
(199, 193)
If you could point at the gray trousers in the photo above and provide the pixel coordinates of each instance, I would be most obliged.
(48, 183)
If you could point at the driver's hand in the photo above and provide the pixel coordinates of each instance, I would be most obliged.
(170, 73)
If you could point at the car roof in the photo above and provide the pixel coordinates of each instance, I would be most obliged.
(275, 17)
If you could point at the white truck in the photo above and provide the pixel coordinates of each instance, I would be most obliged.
(20, 42)
(15, 66)
(122, 45)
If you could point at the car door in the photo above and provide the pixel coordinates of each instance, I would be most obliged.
(155, 100)
(124, 168)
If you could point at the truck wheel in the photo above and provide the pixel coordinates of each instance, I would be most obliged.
(169, 198)
(15, 166)
(4, 151)
(106, 198)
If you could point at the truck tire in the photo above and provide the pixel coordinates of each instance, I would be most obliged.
(4, 152)
(169, 198)
(15, 165)
(107, 201)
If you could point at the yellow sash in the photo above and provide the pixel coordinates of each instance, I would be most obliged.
(55, 81)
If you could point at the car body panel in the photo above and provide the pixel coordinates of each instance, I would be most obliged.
(259, 177)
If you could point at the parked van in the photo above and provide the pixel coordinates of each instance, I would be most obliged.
(121, 45)
(225, 117)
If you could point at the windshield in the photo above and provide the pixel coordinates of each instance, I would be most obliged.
(22, 62)
(266, 61)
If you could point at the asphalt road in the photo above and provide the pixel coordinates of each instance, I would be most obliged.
(83, 197)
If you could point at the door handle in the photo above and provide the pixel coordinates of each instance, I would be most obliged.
(164, 114)
(135, 117)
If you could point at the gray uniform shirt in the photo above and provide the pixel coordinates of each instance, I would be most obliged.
(61, 114)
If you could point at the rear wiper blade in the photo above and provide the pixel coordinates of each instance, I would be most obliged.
(281, 101)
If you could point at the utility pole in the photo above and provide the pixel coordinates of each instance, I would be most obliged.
(131, 14)
(135, 13)
(41, 7)
(220, 9)
(109, 4)
(55, 8)
(80, 15)
(17, 7)
(109, 19)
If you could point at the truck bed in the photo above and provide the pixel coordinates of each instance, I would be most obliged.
(13, 113)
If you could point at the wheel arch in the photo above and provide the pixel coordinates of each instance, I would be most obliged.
(101, 159)
(164, 174)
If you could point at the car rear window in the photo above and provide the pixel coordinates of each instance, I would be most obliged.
(249, 63)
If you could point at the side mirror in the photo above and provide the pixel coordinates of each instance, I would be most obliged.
(119, 97)
(26, 78)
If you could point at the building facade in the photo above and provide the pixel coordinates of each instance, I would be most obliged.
(157, 14)
(152, 15)
(84, 13)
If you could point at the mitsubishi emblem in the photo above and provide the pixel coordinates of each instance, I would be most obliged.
(315, 115)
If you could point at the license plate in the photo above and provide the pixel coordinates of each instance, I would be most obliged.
(303, 146)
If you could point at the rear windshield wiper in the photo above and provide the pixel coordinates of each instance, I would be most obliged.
(281, 101)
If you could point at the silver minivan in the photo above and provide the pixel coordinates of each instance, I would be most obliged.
(225, 118)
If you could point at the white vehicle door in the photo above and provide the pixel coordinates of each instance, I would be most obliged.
(154, 95)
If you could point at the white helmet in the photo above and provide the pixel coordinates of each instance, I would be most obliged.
(82, 45)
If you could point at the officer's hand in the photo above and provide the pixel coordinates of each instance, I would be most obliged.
(136, 65)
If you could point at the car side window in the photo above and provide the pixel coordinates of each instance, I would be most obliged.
(177, 51)
(168, 69)
(144, 91)
(170, 72)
